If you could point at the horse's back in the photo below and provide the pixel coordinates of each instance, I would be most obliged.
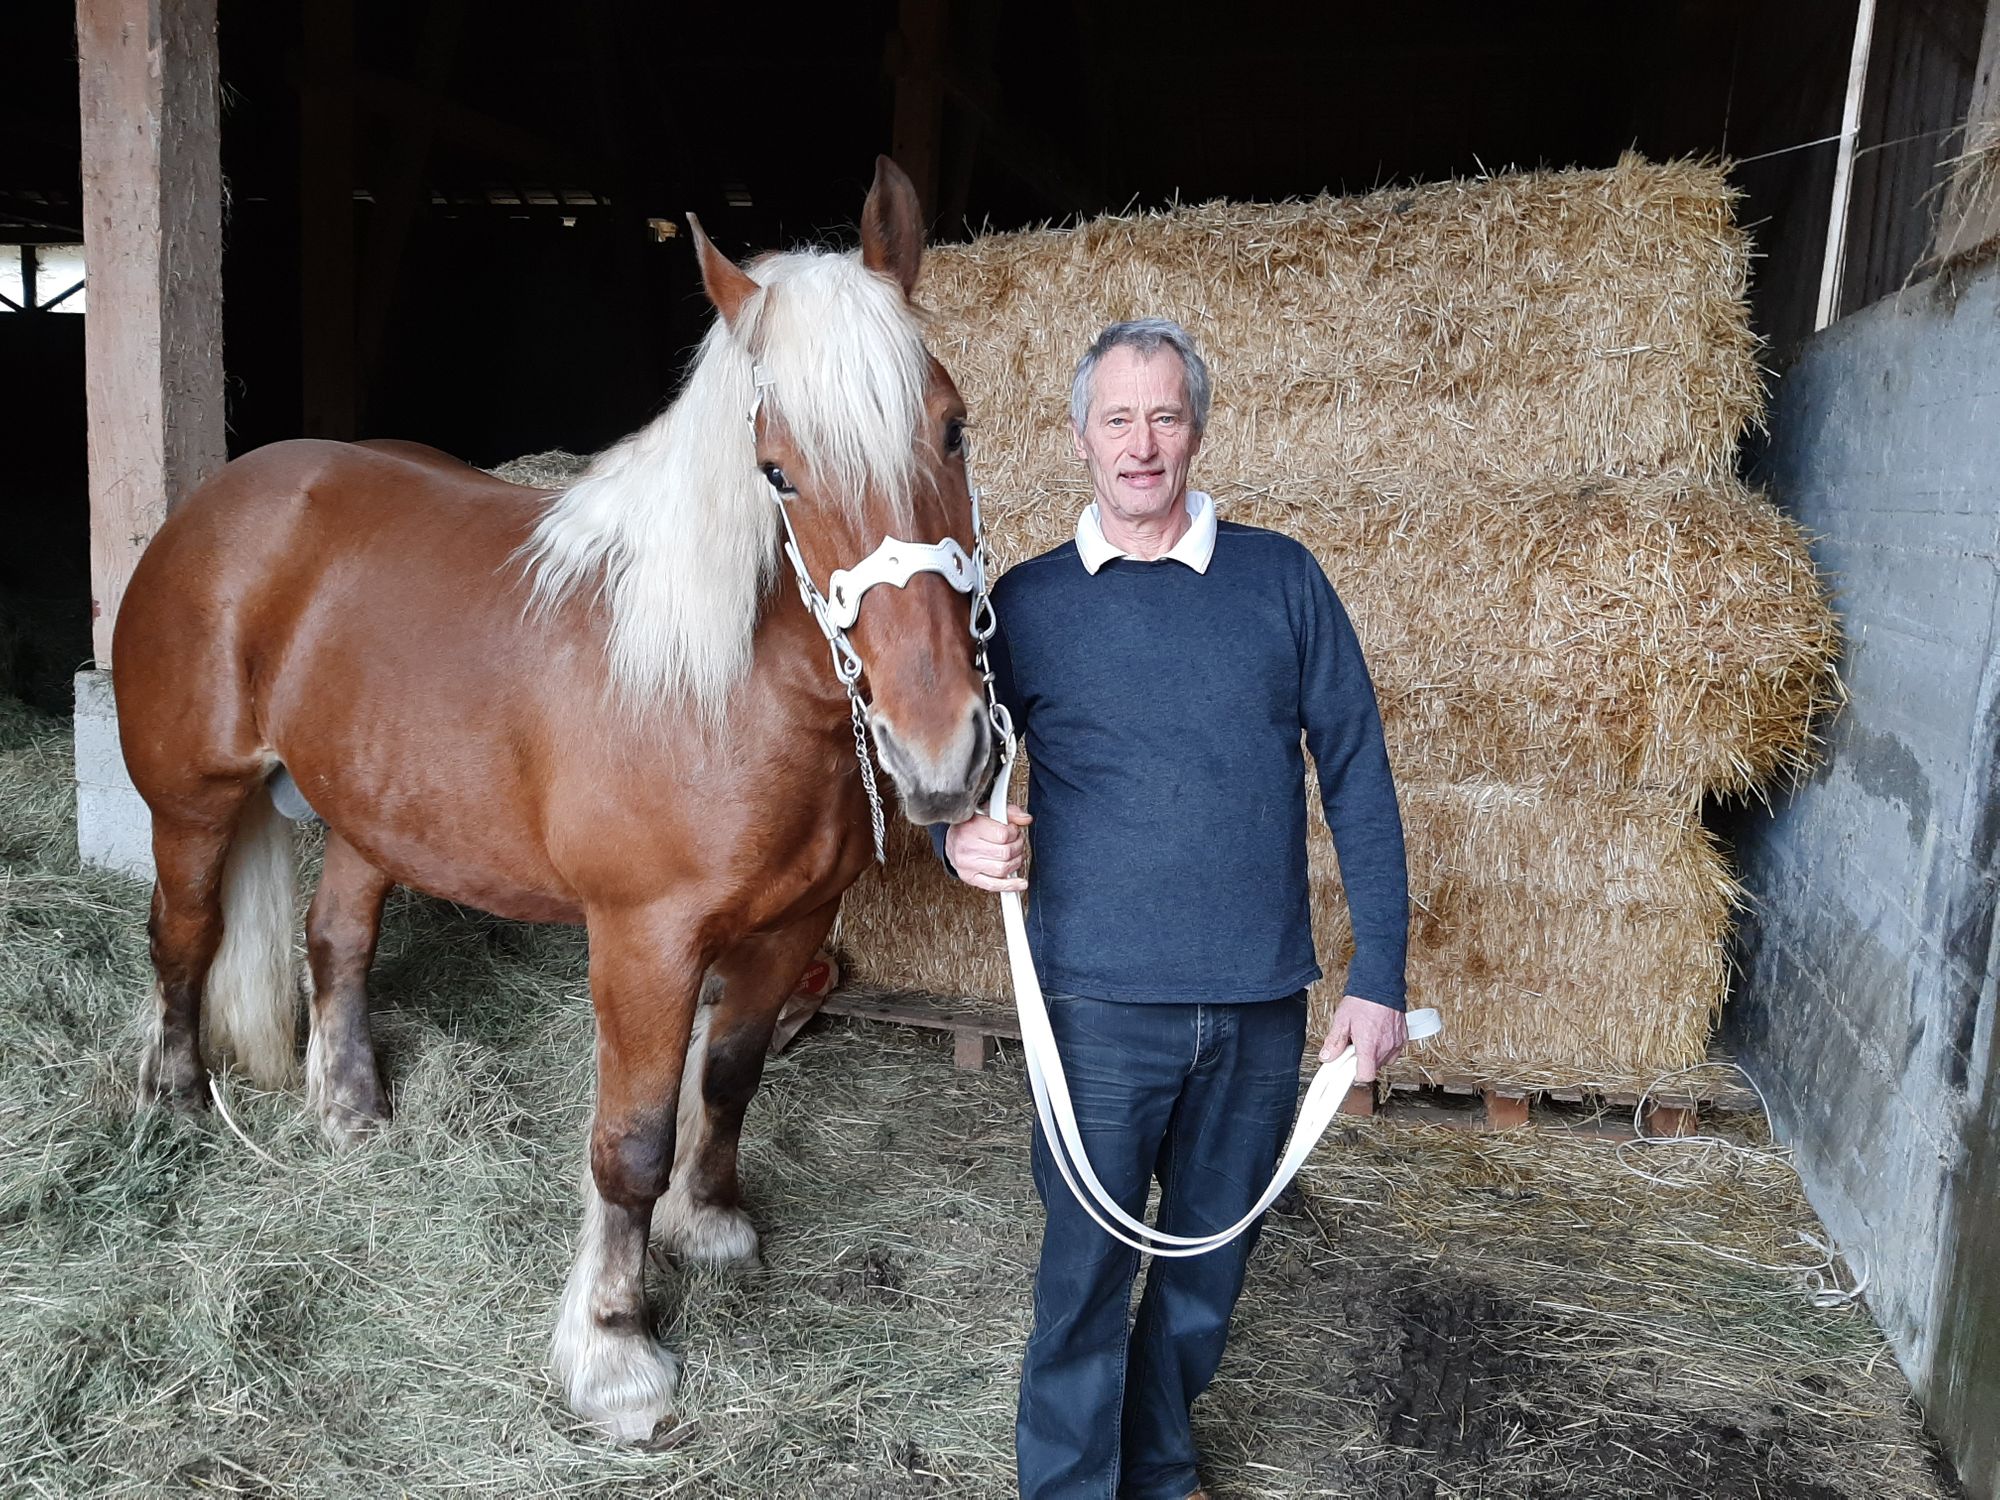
(276, 575)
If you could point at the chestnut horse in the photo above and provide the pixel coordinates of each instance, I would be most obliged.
(601, 706)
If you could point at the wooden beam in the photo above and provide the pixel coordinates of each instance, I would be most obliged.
(327, 342)
(1843, 172)
(152, 223)
(1971, 212)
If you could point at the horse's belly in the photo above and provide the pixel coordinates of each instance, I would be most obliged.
(465, 873)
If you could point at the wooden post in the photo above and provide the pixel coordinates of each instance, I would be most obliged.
(152, 225)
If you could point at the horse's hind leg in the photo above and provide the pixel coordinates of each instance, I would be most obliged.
(343, 1084)
(183, 931)
(220, 937)
(644, 972)
(703, 1218)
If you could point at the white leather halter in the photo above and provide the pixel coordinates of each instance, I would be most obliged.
(894, 562)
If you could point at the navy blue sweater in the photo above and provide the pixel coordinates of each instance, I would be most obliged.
(1163, 712)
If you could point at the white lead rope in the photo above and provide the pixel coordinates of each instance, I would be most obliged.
(1058, 1116)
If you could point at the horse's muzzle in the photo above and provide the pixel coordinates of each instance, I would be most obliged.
(947, 786)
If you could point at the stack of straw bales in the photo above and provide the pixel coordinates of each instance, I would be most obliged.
(1504, 415)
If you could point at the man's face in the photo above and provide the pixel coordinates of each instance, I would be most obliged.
(1139, 438)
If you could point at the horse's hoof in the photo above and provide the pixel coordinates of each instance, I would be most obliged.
(620, 1382)
(348, 1101)
(707, 1233)
(344, 1126)
(171, 1084)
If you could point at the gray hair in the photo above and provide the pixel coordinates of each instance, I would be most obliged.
(1148, 336)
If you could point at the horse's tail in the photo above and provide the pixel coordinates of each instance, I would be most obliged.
(250, 1005)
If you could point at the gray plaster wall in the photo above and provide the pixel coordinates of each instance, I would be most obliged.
(1865, 1006)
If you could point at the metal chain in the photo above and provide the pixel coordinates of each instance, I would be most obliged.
(860, 711)
(984, 623)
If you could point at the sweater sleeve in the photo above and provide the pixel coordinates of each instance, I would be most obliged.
(1002, 663)
(1343, 729)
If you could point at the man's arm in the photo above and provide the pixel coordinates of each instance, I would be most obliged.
(984, 853)
(1343, 729)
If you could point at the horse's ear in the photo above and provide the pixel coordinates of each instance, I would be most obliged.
(728, 285)
(892, 226)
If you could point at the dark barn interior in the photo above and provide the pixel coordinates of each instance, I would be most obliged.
(462, 224)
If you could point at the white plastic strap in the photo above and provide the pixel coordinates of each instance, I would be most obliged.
(896, 562)
(1058, 1116)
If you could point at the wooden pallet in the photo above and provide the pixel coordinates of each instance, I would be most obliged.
(973, 1029)
(1448, 1099)
(1483, 1104)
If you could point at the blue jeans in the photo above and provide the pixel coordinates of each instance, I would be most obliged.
(1202, 1097)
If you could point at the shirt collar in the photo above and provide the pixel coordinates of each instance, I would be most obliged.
(1195, 548)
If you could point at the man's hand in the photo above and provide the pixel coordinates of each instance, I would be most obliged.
(987, 854)
(1377, 1032)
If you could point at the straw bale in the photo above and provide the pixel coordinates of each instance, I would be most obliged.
(1617, 633)
(1503, 414)
(1623, 633)
(1575, 322)
(1569, 938)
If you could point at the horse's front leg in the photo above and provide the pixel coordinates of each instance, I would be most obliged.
(703, 1218)
(644, 974)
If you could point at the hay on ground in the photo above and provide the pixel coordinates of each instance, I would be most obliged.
(1449, 1315)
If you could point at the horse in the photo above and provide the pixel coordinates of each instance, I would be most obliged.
(592, 706)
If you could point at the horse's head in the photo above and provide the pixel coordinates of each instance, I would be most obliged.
(861, 435)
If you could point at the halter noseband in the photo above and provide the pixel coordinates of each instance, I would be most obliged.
(894, 562)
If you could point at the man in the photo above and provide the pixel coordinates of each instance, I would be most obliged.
(1164, 667)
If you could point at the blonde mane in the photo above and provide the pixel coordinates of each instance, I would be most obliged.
(673, 530)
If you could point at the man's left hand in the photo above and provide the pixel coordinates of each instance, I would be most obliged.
(1377, 1032)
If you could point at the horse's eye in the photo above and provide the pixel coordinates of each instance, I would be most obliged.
(954, 437)
(778, 481)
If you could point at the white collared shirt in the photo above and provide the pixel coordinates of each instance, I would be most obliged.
(1195, 548)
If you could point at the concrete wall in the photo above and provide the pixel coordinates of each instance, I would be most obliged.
(1866, 1004)
(114, 830)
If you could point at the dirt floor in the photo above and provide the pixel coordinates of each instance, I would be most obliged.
(1447, 1315)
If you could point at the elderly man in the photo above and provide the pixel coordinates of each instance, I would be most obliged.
(1165, 667)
